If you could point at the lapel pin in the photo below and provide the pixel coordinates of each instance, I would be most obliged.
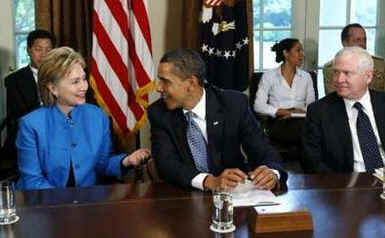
(215, 123)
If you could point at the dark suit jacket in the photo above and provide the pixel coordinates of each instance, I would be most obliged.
(327, 139)
(230, 124)
(22, 98)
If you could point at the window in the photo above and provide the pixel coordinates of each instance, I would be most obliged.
(332, 20)
(272, 23)
(24, 22)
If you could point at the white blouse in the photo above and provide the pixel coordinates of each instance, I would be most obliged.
(274, 92)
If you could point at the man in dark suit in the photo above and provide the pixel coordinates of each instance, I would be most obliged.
(225, 125)
(336, 139)
(21, 86)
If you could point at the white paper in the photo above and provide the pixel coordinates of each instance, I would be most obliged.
(301, 115)
(247, 195)
(379, 173)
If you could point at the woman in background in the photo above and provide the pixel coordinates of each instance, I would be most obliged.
(67, 142)
(284, 91)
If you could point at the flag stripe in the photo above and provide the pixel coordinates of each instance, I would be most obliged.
(139, 10)
(110, 78)
(117, 64)
(120, 16)
(142, 50)
(121, 64)
(108, 97)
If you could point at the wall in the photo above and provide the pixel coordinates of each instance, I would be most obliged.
(166, 32)
(6, 49)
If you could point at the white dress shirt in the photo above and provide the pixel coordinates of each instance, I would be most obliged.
(34, 72)
(274, 92)
(199, 112)
(358, 164)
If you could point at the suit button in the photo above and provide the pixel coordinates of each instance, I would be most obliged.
(73, 145)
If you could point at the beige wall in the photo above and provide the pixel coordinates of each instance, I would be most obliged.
(6, 48)
(166, 32)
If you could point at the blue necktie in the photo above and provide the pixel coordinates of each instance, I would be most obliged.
(368, 141)
(197, 143)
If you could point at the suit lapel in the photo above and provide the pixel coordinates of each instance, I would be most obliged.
(215, 123)
(29, 88)
(178, 126)
(340, 127)
(379, 115)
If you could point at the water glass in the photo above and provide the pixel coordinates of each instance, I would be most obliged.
(382, 196)
(222, 218)
(7, 204)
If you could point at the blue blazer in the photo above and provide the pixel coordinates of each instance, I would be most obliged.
(48, 143)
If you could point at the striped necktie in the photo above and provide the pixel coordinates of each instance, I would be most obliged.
(197, 143)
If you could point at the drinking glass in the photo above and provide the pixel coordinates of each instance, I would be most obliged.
(7, 204)
(382, 196)
(222, 218)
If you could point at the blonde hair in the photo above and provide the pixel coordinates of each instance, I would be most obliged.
(56, 65)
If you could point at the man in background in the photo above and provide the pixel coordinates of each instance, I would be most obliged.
(355, 35)
(22, 89)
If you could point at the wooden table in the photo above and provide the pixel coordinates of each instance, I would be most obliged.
(345, 205)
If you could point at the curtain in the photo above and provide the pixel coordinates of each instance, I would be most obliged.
(191, 33)
(69, 20)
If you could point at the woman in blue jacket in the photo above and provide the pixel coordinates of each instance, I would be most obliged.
(67, 142)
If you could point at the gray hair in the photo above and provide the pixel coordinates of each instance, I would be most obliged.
(365, 61)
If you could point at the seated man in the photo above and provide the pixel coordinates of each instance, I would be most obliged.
(345, 131)
(354, 35)
(198, 130)
(22, 90)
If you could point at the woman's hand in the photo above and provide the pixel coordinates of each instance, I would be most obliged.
(136, 157)
(283, 113)
(297, 110)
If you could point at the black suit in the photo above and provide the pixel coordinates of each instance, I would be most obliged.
(230, 124)
(327, 140)
(22, 98)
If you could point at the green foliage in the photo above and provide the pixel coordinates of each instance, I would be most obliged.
(24, 17)
(277, 13)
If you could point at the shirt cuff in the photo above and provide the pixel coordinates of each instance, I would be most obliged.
(124, 170)
(276, 172)
(197, 181)
(273, 111)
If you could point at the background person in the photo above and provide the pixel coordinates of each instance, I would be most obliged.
(354, 35)
(283, 91)
(21, 86)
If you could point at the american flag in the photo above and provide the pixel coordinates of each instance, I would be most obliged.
(122, 68)
(213, 3)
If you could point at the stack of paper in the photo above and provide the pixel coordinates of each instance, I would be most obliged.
(300, 115)
(247, 195)
(379, 173)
